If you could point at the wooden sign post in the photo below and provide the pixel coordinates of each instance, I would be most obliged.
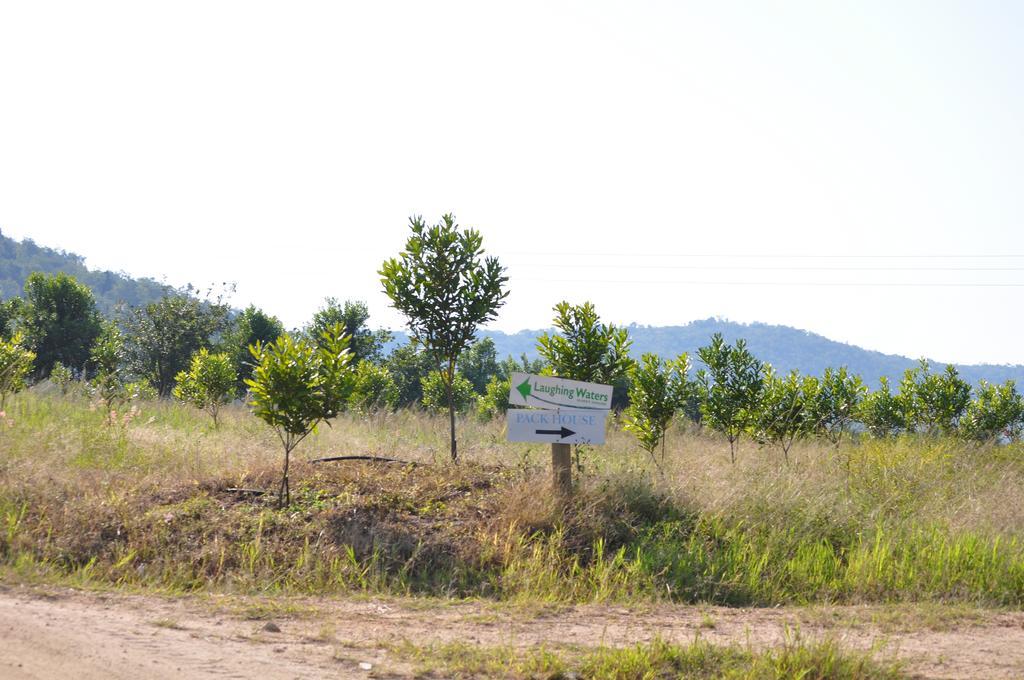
(578, 417)
(561, 469)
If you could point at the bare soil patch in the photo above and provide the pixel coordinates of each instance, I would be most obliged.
(54, 633)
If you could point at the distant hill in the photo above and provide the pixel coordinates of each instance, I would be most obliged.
(783, 347)
(18, 259)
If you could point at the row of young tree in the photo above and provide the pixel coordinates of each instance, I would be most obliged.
(738, 395)
(193, 347)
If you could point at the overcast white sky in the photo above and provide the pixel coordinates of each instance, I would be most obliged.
(785, 162)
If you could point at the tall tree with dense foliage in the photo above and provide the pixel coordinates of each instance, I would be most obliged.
(163, 335)
(209, 382)
(15, 365)
(297, 385)
(730, 388)
(408, 365)
(10, 313)
(365, 344)
(60, 321)
(479, 364)
(657, 390)
(508, 366)
(250, 327)
(446, 288)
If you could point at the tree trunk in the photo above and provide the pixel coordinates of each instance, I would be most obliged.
(451, 424)
(283, 494)
(451, 412)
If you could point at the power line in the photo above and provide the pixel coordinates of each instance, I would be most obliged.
(777, 256)
(802, 284)
(573, 265)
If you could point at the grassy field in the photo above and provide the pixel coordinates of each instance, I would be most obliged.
(147, 503)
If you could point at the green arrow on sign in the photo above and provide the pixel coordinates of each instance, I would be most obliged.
(524, 388)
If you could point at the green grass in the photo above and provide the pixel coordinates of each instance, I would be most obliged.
(145, 504)
(657, 659)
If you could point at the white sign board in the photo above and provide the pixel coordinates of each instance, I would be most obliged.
(547, 392)
(564, 426)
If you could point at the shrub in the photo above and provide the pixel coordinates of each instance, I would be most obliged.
(373, 389)
(436, 393)
(297, 385)
(730, 389)
(15, 364)
(108, 355)
(494, 401)
(658, 389)
(209, 382)
(883, 413)
(997, 411)
(786, 411)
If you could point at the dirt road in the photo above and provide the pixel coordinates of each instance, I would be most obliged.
(57, 633)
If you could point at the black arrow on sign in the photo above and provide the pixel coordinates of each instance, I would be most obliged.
(562, 434)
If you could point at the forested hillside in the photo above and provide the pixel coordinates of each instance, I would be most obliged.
(783, 347)
(18, 259)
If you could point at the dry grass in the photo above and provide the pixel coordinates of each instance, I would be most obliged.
(147, 503)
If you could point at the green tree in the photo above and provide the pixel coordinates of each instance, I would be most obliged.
(15, 364)
(439, 396)
(883, 413)
(163, 335)
(657, 390)
(408, 365)
(250, 327)
(10, 313)
(494, 401)
(730, 389)
(373, 389)
(936, 401)
(63, 377)
(108, 358)
(297, 385)
(786, 411)
(209, 382)
(365, 344)
(836, 402)
(585, 349)
(479, 364)
(60, 321)
(446, 288)
(508, 366)
(997, 411)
